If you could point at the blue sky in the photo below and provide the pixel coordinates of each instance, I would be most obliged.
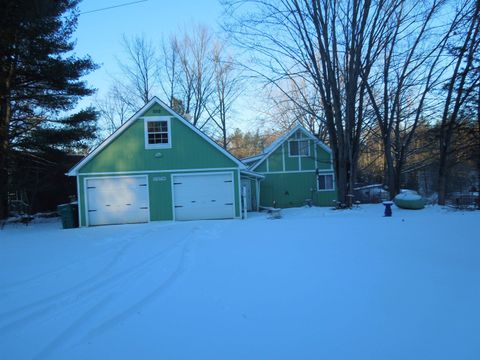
(99, 33)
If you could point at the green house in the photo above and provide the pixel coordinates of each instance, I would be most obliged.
(298, 170)
(158, 166)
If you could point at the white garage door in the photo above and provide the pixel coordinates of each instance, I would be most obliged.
(203, 196)
(117, 200)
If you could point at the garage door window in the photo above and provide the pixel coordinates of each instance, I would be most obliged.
(157, 133)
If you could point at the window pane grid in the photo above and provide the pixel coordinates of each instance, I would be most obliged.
(157, 132)
(325, 182)
(299, 148)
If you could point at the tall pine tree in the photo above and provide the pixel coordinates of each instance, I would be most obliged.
(40, 82)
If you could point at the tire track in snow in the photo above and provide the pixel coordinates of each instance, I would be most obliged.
(148, 298)
(71, 332)
(57, 303)
(62, 294)
(9, 286)
(60, 341)
(128, 240)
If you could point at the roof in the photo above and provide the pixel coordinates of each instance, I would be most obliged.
(260, 158)
(252, 158)
(252, 174)
(74, 171)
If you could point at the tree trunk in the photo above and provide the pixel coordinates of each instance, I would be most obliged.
(478, 148)
(4, 146)
(442, 177)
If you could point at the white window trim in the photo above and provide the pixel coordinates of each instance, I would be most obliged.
(148, 119)
(294, 156)
(333, 182)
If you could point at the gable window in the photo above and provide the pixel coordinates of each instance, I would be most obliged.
(157, 133)
(299, 148)
(325, 182)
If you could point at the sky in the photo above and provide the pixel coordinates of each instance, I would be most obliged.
(99, 33)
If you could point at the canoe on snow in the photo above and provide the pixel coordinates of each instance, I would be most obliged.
(409, 201)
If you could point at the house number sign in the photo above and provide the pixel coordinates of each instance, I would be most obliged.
(160, 178)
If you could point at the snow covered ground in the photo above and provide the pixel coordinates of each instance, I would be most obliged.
(316, 284)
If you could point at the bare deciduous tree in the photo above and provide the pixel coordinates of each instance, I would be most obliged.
(301, 105)
(115, 108)
(138, 69)
(399, 86)
(170, 71)
(331, 44)
(197, 84)
(227, 88)
(458, 88)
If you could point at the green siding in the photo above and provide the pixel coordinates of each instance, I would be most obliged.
(320, 160)
(291, 163)
(292, 185)
(262, 167)
(275, 160)
(127, 152)
(324, 161)
(292, 189)
(308, 163)
(160, 193)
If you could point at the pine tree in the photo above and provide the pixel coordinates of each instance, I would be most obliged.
(40, 79)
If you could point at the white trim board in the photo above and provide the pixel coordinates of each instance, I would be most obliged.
(119, 173)
(148, 119)
(334, 184)
(79, 203)
(74, 171)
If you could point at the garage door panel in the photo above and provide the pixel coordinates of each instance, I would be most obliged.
(117, 200)
(203, 196)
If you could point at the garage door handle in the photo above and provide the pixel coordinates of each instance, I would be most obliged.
(228, 203)
(178, 206)
(213, 200)
(193, 201)
(144, 208)
(177, 183)
(142, 185)
(228, 181)
(128, 204)
(91, 210)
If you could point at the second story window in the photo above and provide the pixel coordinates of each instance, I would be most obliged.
(157, 133)
(299, 148)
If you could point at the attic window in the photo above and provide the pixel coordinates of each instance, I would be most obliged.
(325, 182)
(157, 132)
(298, 148)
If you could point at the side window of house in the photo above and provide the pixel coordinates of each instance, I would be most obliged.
(157, 133)
(325, 182)
(299, 148)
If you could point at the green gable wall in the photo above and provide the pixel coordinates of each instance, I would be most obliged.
(289, 181)
(127, 152)
(280, 161)
(126, 155)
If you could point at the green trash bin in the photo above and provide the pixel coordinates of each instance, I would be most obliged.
(69, 215)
